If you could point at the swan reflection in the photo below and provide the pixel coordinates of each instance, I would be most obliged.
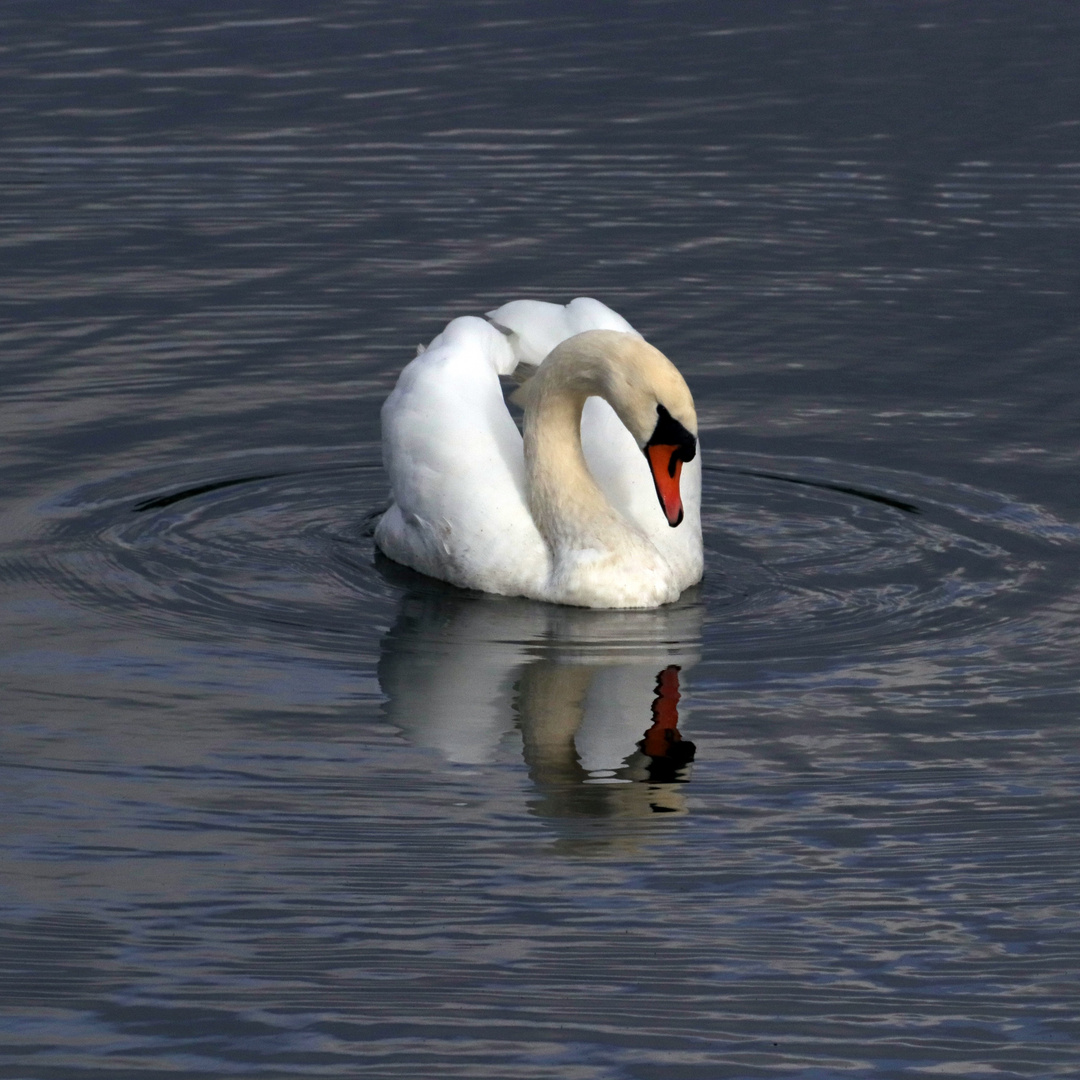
(594, 694)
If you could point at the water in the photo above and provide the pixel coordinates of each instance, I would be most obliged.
(274, 807)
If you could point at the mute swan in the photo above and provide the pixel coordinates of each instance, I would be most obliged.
(574, 513)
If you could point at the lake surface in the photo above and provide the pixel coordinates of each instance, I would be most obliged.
(274, 807)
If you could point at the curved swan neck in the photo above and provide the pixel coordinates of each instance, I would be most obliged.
(565, 500)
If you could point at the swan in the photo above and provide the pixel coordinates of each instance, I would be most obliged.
(596, 503)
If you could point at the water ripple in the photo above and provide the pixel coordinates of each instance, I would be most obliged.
(809, 561)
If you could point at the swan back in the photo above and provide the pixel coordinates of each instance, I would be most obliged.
(535, 327)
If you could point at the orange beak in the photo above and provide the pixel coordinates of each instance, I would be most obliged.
(666, 465)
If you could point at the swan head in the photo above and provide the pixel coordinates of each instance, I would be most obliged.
(649, 396)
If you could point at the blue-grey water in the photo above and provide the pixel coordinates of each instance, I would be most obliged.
(273, 807)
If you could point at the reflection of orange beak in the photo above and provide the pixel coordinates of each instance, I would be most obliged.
(665, 714)
(666, 465)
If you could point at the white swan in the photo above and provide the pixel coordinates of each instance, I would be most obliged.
(574, 513)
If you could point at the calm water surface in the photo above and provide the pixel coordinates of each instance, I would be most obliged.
(274, 807)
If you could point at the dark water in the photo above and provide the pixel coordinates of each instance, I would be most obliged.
(273, 807)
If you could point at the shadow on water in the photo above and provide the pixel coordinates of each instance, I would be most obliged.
(593, 695)
(162, 501)
(841, 489)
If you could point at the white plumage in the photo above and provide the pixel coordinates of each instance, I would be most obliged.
(471, 506)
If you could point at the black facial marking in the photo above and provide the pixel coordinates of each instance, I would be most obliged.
(669, 432)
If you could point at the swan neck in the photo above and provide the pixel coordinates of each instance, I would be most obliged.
(563, 495)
